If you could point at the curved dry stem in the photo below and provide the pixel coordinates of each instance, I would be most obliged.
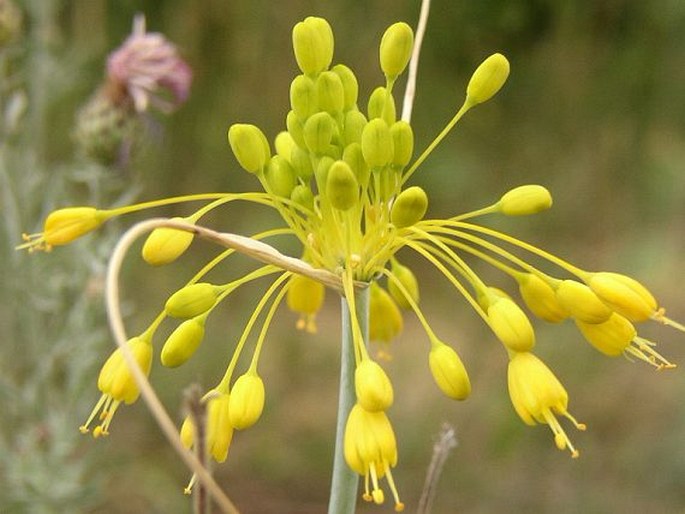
(410, 90)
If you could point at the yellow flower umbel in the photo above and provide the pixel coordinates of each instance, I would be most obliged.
(338, 175)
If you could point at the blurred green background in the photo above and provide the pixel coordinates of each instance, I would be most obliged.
(594, 110)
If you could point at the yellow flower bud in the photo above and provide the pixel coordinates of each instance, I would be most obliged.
(377, 143)
(303, 97)
(409, 282)
(295, 129)
(510, 324)
(350, 85)
(250, 146)
(303, 196)
(409, 207)
(301, 162)
(187, 433)
(321, 172)
(382, 105)
(396, 48)
(116, 379)
(581, 303)
(372, 386)
(219, 430)
(353, 156)
(192, 300)
(385, 318)
(318, 132)
(488, 78)
(623, 294)
(610, 337)
(165, 245)
(65, 225)
(355, 121)
(305, 296)
(524, 200)
(247, 401)
(449, 372)
(342, 189)
(182, 343)
(284, 144)
(538, 397)
(330, 92)
(280, 176)
(541, 298)
(313, 45)
(403, 143)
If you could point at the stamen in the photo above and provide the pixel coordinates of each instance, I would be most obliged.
(189, 488)
(367, 495)
(661, 318)
(644, 350)
(110, 416)
(84, 428)
(399, 506)
(561, 439)
(376, 493)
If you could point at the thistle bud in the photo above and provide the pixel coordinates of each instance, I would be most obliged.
(581, 303)
(350, 85)
(295, 129)
(395, 50)
(65, 225)
(510, 324)
(540, 298)
(342, 189)
(449, 372)
(313, 45)
(382, 105)
(406, 277)
(192, 300)
(385, 319)
(280, 176)
(284, 144)
(182, 343)
(303, 97)
(402, 142)
(355, 121)
(301, 163)
(303, 196)
(623, 294)
(318, 132)
(524, 200)
(372, 386)
(330, 92)
(409, 207)
(250, 146)
(247, 401)
(488, 78)
(353, 156)
(611, 337)
(165, 245)
(377, 143)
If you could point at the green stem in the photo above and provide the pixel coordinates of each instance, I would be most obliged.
(343, 498)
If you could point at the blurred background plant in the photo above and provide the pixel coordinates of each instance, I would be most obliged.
(594, 110)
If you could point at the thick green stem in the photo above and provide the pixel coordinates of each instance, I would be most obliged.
(343, 498)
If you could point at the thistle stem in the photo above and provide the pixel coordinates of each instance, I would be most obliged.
(344, 484)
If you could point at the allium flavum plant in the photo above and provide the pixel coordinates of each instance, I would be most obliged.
(338, 176)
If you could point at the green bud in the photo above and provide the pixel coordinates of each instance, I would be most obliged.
(395, 51)
(301, 163)
(318, 132)
(280, 177)
(303, 196)
(350, 85)
(353, 156)
(295, 128)
(382, 105)
(377, 143)
(192, 300)
(182, 343)
(355, 121)
(284, 144)
(342, 189)
(313, 45)
(488, 78)
(403, 143)
(330, 92)
(409, 207)
(524, 200)
(246, 402)
(321, 172)
(250, 146)
(408, 280)
(303, 98)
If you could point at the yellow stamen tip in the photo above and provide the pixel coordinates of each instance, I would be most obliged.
(187, 491)
(98, 431)
(367, 497)
(399, 507)
(378, 496)
(575, 454)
